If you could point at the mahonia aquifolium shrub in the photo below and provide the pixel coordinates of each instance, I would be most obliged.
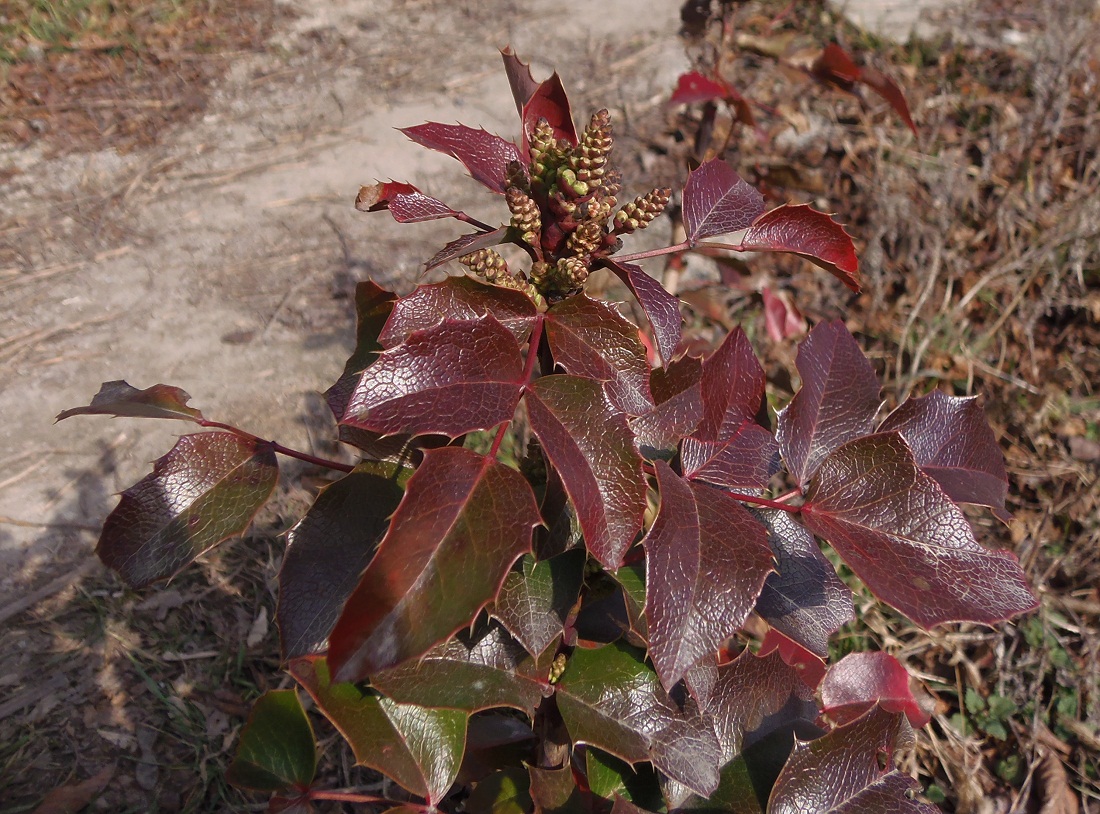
(555, 635)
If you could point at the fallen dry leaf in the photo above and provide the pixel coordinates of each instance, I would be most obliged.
(71, 799)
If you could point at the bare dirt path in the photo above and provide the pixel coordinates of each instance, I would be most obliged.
(221, 260)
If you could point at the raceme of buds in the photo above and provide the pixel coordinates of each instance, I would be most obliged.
(525, 214)
(640, 212)
(485, 263)
(589, 159)
(587, 238)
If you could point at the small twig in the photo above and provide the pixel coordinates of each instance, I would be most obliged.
(765, 502)
(287, 451)
(630, 258)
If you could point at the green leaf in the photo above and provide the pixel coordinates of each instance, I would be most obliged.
(417, 747)
(504, 792)
(277, 751)
(735, 793)
(206, 489)
(120, 399)
(537, 597)
(609, 777)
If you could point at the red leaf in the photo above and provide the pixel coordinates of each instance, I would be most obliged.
(836, 66)
(809, 666)
(459, 376)
(888, 89)
(468, 244)
(717, 201)
(837, 402)
(119, 399)
(522, 84)
(328, 549)
(732, 386)
(405, 202)
(550, 102)
(843, 771)
(485, 155)
(205, 490)
(458, 298)
(809, 234)
(373, 306)
(913, 547)
(952, 442)
(746, 461)
(805, 600)
(676, 388)
(590, 445)
(860, 680)
(536, 598)
(591, 339)
(781, 318)
(706, 561)
(693, 87)
(661, 308)
(462, 523)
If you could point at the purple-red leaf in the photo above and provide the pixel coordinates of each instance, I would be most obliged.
(805, 600)
(677, 391)
(458, 376)
(329, 548)
(693, 87)
(591, 339)
(732, 387)
(661, 308)
(901, 534)
(406, 203)
(746, 461)
(781, 318)
(206, 489)
(717, 201)
(467, 244)
(860, 680)
(889, 90)
(470, 672)
(836, 67)
(277, 751)
(609, 698)
(952, 442)
(590, 445)
(463, 521)
(373, 306)
(536, 598)
(522, 84)
(706, 561)
(837, 402)
(122, 400)
(462, 298)
(549, 101)
(419, 748)
(810, 234)
(850, 770)
(484, 155)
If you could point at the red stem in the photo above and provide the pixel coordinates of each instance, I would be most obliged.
(528, 373)
(352, 797)
(462, 216)
(783, 498)
(287, 451)
(629, 258)
(765, 502)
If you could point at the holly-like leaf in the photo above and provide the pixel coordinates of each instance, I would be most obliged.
(609, 698)
(804, 600)
(732, 388)
(677, 391)
(693, 87)
(549, 101)
(463, 521)
(860, 680)
(745, 461)
(373, 306)
(590, 445)
(470, 672)
(905, 538)
(810, 666)
(536, 598)
(328, 549)
(661, 308)
(458, 376)
(735, 794)
(706, 561)
(120, 399)
(495, 740)
(555, 791)
(405, 203)
(808, 233)
(836, 67)
(277, 750)
(610, 778)
(851, 770)
(591, 339)
(467, 244)
(483, 154)
(522, 84)
(419, 748)
(717, 201)
(837, 402)
(205, 490)
(952, 442)
(461, 298)
(503, 792)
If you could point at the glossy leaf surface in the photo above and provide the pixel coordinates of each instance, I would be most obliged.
(503, 792)
(592, 339)
(804, 600)
(611, 778)
(807, 233)
(610, 699)
(661, 308)
(952, 442)
(458, 376)
(328, 549)
(706, 561)
(732, 388)
(549, 101)
(277, 751)
(677, 391)
(460, 298)
(837, 401)
(555, 791)
(860, 680)
(717, 201)
(841, 772)
(120, 399)
(405, 203)
(205, 490)
(735, 793)
(483, 154)
(468, 672)
(373, 306)
(470, 243)
(463, 521)
(520, 81)
(895, 527)
(419, 748)
(536, 598)
(745, 461)
(590, 445)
